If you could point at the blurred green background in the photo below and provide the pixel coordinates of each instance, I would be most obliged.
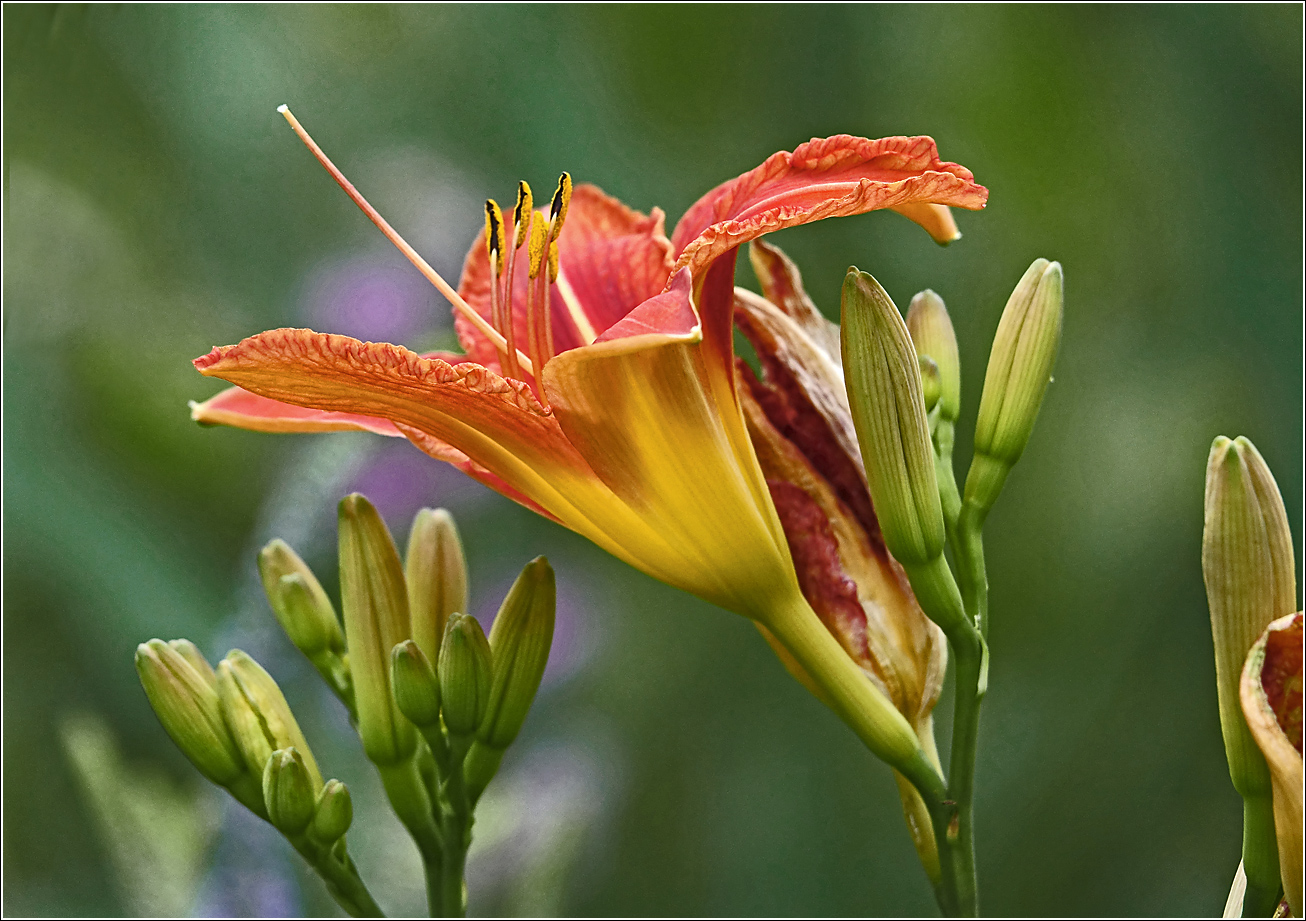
(156, 205)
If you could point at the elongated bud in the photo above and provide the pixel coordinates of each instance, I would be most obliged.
(932, 334)
(888, 409)
(1271, 696)
(1020, 367)
(299, 601)
(521, 215)
(288, 792)
(519, 640)
(466, 672)
(416, 691)
(1247, 561)
(375, 602)
(334, 814)
(931, 385)
(436, 572)
(258, 716)
(496, 243)
(182, 689)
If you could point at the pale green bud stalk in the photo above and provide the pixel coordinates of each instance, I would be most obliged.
(183, 691)
(334, 814)
(299, 601)
(416, 690)
(466, 673)
(1019, 370)
(932, 335)
(1248, 565)
(882, 373)
(519, 640)
(436, 572)
(375, 602)
(288, 792)
(258, 716)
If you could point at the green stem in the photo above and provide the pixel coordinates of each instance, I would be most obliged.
(968, 551)
(334, 865)
(1260, 857)
(407, 794)
(961, 771)
(456, 831)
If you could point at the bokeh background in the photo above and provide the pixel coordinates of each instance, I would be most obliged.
(156, 205)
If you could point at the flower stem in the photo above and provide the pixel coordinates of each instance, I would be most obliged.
(407, 794)
(1260, 857)
(336, 868)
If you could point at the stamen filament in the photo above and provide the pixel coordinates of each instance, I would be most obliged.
(505, 306)
(431, 275)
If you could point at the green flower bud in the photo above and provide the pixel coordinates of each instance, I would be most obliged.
(258, 716)
(437, 577)
(888, 409)
(931, 383)
(1020, 367)
(375, 602)
(416, 690)
(299, 601)
(334, 815)
(1247, 561)
(519, 640)
(288, 792)
(466, 672)
(932, 334)
(182, 689)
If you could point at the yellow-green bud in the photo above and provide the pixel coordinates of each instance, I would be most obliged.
(437, 577)
(299, 601)
(288, 792)
(375, 603)
(931, 384)
(182, 689)
(334, 815)
(466, 672)
(1020, 367)
(258, 716)
(519, 640)
(932, 334)
(888, 409)
(416, 690)
(1247, 561)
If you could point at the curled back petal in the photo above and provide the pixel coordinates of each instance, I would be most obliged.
(496, 423)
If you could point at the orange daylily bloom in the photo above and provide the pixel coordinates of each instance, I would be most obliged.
(621, 419)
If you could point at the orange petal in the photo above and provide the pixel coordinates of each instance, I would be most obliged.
(497, 424)
(244, 410)
(830, 177)
(611, 259)
(639, 410)
(782, 286)
(936, 219)
(1270, 691)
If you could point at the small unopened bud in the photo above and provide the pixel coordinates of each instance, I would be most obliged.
(334, 815)
(375, 602)
(416, 690)
(932, 334)
(1019, 370)
(519, 640)
(931, 385)
(258, 716)
(466, 672)
(288, 792)
(436, 572)
(299, 601)
(888, 409)
(1247, 562)
(182, 689)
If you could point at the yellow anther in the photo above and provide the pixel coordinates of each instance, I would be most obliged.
(558, 210)
(495, 242)
(553, 262)
(537, 245)
(525, 205)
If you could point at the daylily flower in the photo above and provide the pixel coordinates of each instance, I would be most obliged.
(599, 383)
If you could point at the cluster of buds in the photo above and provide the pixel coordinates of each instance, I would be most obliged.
(435, 701)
